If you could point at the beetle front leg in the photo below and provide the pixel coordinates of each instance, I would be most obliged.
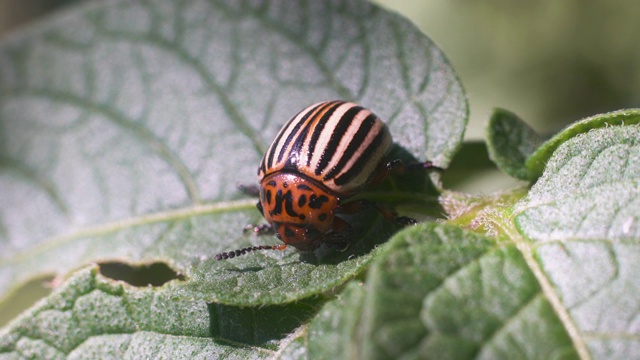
(339, 237)
(262, 229)
(390, 215)
(251, 190)
(397, 166)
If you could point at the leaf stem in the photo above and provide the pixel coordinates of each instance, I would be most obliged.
(548, 291)
(112, 227)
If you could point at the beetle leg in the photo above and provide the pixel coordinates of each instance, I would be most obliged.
(390, 215)
(251, 190)
(354, 207)
(403, 220)
(339, 238)
(262, 229)
(397, 166)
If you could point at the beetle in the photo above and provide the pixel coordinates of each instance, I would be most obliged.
(322, 157)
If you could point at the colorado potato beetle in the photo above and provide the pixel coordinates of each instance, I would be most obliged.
(321, 157)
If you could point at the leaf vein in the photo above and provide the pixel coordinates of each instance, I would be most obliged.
(549, 293)
(31, 175)
(293, 37)
(108, 228)
(120, 119)
(235, 116)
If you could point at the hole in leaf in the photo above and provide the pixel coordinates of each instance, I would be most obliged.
(23, 298)
(153, 274)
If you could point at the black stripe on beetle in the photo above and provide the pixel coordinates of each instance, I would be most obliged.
(318, 130)
(358, 139)
(284, 146)
(267, 161)
(337, 135)
(356, 169)
(315, 202)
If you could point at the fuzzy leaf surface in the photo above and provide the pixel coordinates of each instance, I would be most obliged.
(537, 161)
(510, 142)
(93, 318)
(582, 217)
(443, 292)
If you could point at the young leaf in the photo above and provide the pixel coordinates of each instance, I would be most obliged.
(538, 160)
(523, 154)
(510, 142)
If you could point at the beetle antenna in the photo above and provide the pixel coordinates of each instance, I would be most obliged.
(239, 252)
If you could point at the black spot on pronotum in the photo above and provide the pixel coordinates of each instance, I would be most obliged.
(322, 217)
(277, 210)
(288, 204)
(315, 202)
(140, 275)
(302, 200)
(303, 187)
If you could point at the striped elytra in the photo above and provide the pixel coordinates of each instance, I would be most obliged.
(336, 143)
(321, 157)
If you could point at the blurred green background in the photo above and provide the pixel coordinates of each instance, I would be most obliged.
(551, 62)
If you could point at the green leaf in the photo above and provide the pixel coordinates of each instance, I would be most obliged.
(582, 216)
(567, 290)
(125, 127)
(449, 293)
(339, 331)
(91, 317)
(510, 143)
(538, 160)
(589, 190)
(521, 153)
